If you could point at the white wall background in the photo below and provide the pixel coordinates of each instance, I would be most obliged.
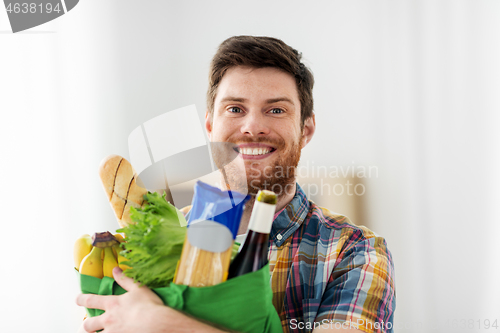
(411, 87)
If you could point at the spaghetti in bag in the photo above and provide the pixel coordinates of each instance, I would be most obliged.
(212, 227)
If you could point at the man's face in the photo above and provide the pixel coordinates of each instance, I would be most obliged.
(258, 110)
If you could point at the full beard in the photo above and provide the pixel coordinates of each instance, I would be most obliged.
(249, 176)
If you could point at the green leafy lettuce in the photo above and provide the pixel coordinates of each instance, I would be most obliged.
(154, 243)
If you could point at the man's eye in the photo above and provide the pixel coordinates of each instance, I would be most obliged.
(276, 111)
(235, 109)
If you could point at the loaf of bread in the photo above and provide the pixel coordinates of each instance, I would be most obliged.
(119, 180)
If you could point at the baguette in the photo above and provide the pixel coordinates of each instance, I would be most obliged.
(119, 180)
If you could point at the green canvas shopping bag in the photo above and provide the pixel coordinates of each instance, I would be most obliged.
(243, 304)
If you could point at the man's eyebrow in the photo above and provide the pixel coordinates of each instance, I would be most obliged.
(233, 99)
(269, 101)
(279, 99)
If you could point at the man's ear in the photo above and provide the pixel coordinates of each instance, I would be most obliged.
(308, 130)
(208, 124)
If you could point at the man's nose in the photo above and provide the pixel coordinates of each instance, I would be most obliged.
(254, 124)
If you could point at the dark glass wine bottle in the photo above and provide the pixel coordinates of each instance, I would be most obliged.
(253, 254)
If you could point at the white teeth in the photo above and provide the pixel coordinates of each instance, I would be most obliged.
(254, 151)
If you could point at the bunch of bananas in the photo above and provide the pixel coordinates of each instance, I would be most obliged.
(98, 255)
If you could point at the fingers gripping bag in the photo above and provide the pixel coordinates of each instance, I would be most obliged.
(199, 287)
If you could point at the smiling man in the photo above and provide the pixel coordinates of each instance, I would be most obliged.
(327, 274)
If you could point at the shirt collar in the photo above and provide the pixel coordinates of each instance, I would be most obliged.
(291, 218)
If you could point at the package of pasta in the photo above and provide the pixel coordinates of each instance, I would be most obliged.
(213, 224)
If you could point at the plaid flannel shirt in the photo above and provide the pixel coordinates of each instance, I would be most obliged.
(325, 269)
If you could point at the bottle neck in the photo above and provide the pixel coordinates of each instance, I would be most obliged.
(262, 217)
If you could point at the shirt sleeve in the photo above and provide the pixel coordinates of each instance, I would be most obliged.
(361, 289)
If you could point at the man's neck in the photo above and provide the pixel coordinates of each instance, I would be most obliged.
(282, 202)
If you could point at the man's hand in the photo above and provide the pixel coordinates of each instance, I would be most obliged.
(138, 310)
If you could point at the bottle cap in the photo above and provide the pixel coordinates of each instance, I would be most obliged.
(267, 197)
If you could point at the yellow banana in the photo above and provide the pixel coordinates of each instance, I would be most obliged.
(82, 247)
(109, 262)
(92, 264)
(120, 258)
(117, 249)
(119, 237)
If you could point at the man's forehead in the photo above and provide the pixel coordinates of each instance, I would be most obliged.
(268, 84)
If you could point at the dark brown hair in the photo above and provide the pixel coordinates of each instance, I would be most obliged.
(261, 52)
